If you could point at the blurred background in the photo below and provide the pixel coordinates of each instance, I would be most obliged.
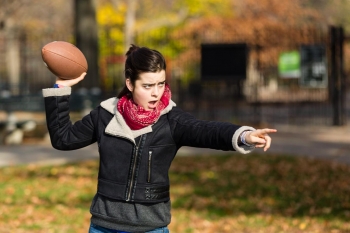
(267, 63)
(244, 61)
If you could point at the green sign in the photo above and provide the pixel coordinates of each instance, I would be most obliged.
(289, 64)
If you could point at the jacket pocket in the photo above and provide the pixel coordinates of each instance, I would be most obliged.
(149, 172)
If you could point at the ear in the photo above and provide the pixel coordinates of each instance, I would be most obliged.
(129, 84)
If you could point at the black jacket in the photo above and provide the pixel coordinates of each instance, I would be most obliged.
(134, 165)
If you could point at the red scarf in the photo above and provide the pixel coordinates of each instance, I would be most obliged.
(136, 117)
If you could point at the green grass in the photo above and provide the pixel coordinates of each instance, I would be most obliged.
(234, 193)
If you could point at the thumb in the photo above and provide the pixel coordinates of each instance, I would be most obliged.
(80, 78)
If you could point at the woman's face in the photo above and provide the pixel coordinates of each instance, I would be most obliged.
(148, 89)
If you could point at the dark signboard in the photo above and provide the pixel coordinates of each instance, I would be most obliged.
(313, 63)
(224, 61)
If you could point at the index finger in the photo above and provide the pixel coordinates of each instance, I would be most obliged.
(266, 130)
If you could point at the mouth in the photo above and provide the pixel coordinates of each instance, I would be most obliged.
(152, 104)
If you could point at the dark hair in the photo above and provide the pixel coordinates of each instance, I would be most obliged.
(140, 60)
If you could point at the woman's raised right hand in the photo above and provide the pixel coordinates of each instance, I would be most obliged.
(70, 82)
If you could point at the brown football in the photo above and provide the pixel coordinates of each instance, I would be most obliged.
(64, 59)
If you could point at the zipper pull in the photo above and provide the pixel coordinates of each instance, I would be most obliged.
(149, 166)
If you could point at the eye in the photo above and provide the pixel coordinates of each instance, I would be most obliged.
(161, 84)
(147, 86)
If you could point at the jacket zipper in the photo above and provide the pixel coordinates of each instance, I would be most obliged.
(133, 170)
(149, 166)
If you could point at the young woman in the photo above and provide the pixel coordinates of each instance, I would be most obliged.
(138, 134)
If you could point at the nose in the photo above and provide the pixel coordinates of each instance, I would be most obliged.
(155, 91)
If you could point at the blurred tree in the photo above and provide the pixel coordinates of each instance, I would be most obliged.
(264, 23)
(148, 23)
(129, 23)
(185, 22)
(111, 21)
(87, 39)
(22, 17)
(37, 15)
(176, 27)
(335, 12)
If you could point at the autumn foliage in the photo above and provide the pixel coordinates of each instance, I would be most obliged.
(267, 25)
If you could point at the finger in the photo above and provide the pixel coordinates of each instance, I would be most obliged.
(263, 132)
(268, 143)
(80, 78)
(263, 136)
(266, 131)
(74, 81)
(255, 138)
(259, 140)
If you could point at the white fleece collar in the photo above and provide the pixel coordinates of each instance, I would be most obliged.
(118, 127)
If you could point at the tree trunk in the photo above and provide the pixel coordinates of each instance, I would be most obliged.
(13, 61)
(87, 40)
(129, 24)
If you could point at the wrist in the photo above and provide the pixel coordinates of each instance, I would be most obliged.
(243, 138)
(57, 85)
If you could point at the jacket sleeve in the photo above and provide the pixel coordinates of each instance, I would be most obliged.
(189, 131)
(63, 134)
